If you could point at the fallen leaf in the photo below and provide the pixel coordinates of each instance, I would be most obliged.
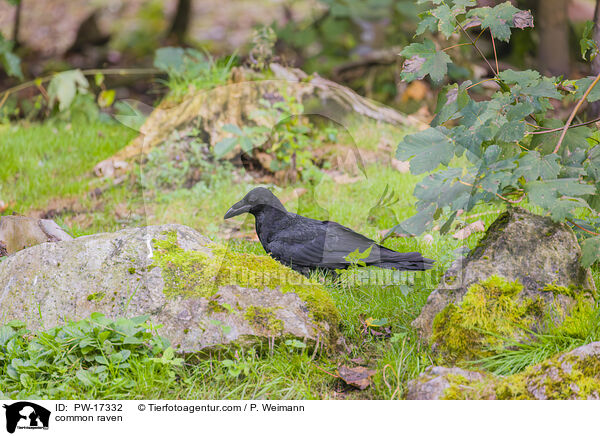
(467, 231)
(358, 377)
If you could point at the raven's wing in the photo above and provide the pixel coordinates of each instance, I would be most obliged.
(326, 244)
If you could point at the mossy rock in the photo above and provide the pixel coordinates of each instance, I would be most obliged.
(574, 375)
(518, 246)
(495, 314)
(203, 295)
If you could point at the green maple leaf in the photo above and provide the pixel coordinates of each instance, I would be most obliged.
(426, 149)
(418, 223)
(582, 85)
(590, 251)
(498, 19)
(423, 59)
(532, 166)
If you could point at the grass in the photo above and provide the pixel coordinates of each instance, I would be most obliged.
(44, 162)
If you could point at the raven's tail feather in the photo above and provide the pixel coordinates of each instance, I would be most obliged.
(413, 261)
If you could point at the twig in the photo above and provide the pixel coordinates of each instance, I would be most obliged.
(480, 82)
(326, 372)
(456, 45)
(476, 48)
(107, 71)
(495, 193)
(584, 229)
(574, 112)
(495, 54)
(572, 126)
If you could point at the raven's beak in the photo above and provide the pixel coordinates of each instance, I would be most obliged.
(237, 209)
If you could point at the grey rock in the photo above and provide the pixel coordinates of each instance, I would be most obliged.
(518, 245)
(574, 375)
(435, 380)
(113, 273)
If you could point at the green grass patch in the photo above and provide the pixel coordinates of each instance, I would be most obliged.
(44, 161)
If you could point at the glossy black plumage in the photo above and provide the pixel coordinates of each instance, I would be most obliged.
(305, 244)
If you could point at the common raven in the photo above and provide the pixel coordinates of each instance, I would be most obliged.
(306, 244)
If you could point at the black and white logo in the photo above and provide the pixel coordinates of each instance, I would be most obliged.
(27, 416)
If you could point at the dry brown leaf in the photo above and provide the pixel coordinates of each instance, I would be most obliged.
(358, 377)
(464, 233)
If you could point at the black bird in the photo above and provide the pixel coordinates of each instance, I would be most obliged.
(305, 244)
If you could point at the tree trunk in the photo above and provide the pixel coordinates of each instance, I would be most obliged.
(553, 30)
(181, 21)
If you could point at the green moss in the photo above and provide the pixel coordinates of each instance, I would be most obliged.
(198, 274)
(559, 378)
(131, 270)
(96, 296)
(264, 319)
(490, 314)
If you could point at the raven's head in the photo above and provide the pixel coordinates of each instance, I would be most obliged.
(254, 201)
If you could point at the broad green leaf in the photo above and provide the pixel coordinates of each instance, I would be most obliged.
(498, 19)
(224, 146)
(64, 86)
(450, 101)
(428, 22)
(448, 224)
(590, 251)
(512, 131)
(169, 59)
(418, 223)
(446, 23)
(558, 196)
(523, 78)
(519, 111)
(581, 87)
(426, 149)
(589, 47)
(444, 189)
(423, 59)
(232, 128)
(532, 166)
(10, 61)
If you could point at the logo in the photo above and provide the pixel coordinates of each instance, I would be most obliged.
(26, 415)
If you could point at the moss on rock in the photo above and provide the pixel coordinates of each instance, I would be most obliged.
(490, 315)
(200, 274)
(494, 314)
(264, 318)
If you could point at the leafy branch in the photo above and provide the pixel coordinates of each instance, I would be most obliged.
(508, 161)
